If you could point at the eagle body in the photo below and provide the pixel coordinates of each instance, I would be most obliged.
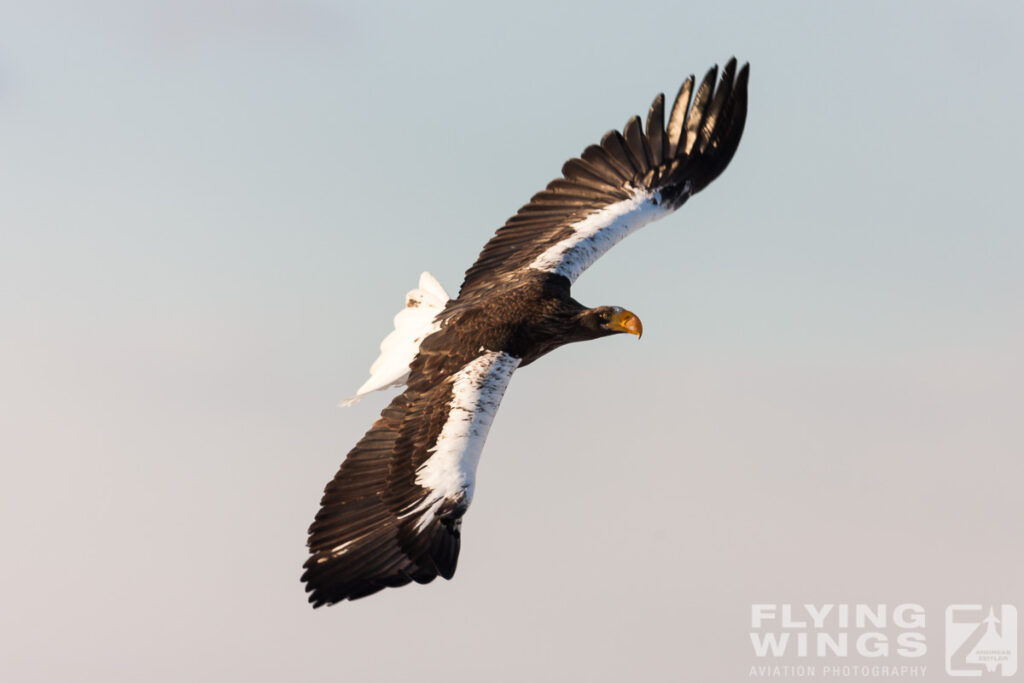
(526, 316)
(393, 513)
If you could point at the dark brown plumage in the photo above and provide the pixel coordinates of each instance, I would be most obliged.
(390, 516)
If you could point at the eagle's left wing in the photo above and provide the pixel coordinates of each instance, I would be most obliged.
(627, 181)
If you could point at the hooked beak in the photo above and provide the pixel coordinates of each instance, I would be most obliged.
(626, 321)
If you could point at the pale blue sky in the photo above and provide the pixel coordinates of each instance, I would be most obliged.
(212, 210)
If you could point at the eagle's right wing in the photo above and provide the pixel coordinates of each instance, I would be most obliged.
(393, 512)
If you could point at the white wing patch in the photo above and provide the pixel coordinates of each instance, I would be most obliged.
(600, 231)
(412, 324)
(450, 472)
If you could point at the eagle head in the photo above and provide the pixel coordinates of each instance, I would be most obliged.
(605, 320)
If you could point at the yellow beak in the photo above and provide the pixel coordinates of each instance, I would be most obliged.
(626, 321)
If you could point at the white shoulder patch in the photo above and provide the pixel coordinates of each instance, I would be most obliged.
(412, 324)
(450, 472)
(599, 232)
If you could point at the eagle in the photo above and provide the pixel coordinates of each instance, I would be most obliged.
(392, 515)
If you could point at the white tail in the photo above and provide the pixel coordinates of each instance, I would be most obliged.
(412, 325)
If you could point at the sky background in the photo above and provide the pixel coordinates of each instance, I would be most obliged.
(212, 209)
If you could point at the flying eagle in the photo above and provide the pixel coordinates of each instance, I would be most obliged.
(392, 514)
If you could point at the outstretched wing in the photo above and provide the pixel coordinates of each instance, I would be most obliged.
(393, 512)
(627, 181)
